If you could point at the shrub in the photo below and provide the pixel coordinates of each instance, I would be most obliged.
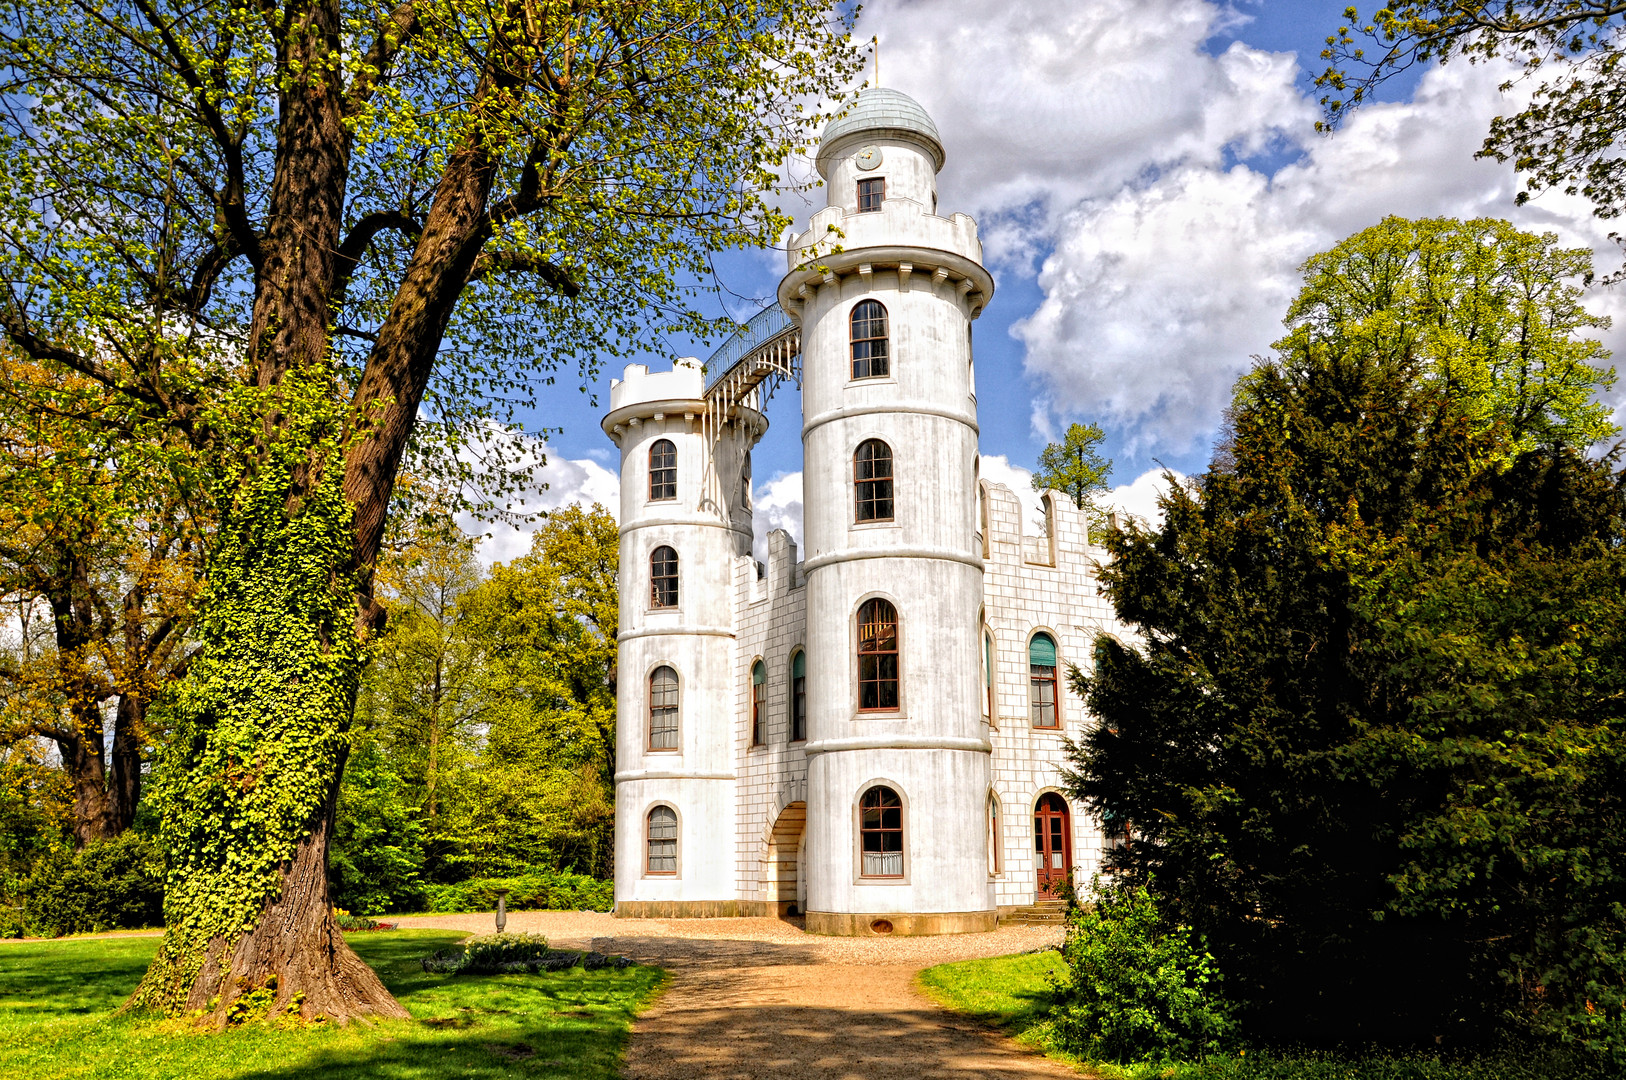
(535, 890)
(488, 953)
(1137, 989)
(107, 885)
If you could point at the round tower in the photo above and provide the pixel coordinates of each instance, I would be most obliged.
(885, 290)
(683, 518)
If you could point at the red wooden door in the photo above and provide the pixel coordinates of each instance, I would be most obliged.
(1052, 843)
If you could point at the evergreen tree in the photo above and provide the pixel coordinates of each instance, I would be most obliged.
(1370, 740)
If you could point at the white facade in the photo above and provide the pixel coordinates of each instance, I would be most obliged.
(907, 803)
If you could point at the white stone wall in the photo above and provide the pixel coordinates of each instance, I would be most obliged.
(1024, 595)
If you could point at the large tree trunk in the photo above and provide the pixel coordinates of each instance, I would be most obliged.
(297, 948)
(124, 785)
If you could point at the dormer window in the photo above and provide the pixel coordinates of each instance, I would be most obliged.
(871, 193)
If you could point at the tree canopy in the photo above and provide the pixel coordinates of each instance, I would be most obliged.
(1369, 740)
(287, 248)
(1074, 466)
(1570, 52)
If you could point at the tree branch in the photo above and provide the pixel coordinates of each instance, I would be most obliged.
(361, 237)
(488, 264)
(399, 27)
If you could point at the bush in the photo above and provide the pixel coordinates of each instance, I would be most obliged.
(488, 953)
(113, 884)
(536, 890)
(1137, 989)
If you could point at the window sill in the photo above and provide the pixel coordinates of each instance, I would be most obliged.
(874, 380)
(662, 750)
(878, 523)
(880, 714)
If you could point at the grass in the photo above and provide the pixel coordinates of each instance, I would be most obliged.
(58, 1002)
(1012, 993)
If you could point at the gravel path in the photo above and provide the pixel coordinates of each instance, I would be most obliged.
(758, 998)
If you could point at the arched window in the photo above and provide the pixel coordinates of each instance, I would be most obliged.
(663, 709)
(663, 577)
(880, 831)
(798, 696)
(662, 842)
(995, 855)
(877, 655)
(1042, 681)
(872, 481)
(988, 677)
(662, 470)
(868, 326)
(759, 704)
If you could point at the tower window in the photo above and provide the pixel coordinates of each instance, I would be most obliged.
(871, 194)
(1042, 681)
(663, 577)
(880, 830)
(662, 833)
(662, 470)
(798, 697)
(877, 655)
(988, 678)
(759, 704)
(663, 709)
(872, 481)
(868, 334)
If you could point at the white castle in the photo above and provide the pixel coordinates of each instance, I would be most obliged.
(870, 735)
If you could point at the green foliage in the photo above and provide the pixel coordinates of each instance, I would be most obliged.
(261, 721)
(107, 885)
(490, 697)
(489, 952)
(1571, 52)
(377, 852)
(1370, 743)
(59, 1017)
(1075, 466)
(1012, 992)
(1493, 313)
(1136, 989)
(537, 890)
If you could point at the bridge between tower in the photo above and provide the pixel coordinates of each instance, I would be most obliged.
(745, 371)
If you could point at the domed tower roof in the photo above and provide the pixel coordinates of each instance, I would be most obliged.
(880, 112)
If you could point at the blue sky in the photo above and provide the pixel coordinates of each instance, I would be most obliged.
(1147, 178)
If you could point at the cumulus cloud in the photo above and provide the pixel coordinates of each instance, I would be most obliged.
(1138, 498)
(1156, 297)
(778, 505)
(1046, 102)
(1099, 145)
(560, 482)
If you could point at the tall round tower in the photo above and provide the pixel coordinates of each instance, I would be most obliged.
(684, 518)
(885, 290)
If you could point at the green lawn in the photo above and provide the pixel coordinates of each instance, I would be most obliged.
(1011, 992)
(57, 1001)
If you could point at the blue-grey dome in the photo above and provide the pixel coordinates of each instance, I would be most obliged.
(881, 111)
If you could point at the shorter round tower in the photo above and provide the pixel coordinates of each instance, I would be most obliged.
(684, 518)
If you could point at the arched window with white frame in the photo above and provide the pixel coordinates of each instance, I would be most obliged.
(880, 833)
(661, 841)
(663, 709)
(1042, 681)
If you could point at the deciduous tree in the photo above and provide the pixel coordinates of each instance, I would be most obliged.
(1570, 52)
(299, 235)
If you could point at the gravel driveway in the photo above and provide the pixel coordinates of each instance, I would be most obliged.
(758, 998)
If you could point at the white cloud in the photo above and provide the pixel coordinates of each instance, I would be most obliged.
(777, 506)
(1101, 139)
(1138, 498)
(559, 482)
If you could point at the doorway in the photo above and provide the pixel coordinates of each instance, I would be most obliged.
(783, 885)
(1052, 844)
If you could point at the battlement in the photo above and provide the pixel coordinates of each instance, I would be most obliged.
(899, 223)
(1066, 540)
(685, 382)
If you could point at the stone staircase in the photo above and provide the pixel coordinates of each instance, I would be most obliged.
(1043, 913)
